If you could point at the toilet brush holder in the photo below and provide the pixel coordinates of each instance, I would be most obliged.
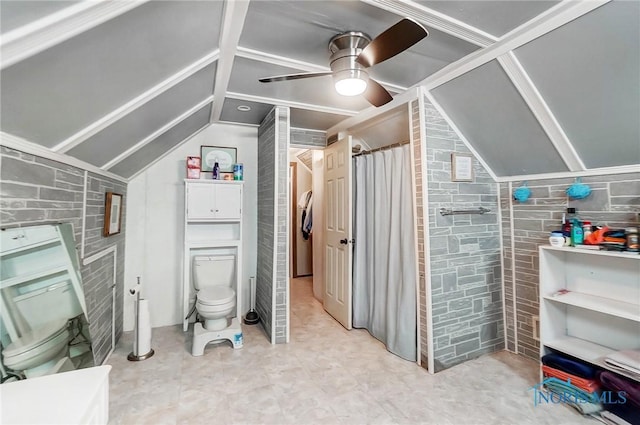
(252, 318)
(142, 331)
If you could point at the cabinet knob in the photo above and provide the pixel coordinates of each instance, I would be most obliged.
(217, 210)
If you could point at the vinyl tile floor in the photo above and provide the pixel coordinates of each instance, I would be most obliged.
(325, 375)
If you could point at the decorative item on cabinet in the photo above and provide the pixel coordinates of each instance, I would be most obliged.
(193, 167)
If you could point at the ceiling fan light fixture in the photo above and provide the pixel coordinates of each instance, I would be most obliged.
(350, 82)
(351, 86)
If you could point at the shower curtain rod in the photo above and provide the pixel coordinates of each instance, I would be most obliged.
(393, 145)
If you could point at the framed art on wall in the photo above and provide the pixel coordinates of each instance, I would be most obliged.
(461, 167)
(112, 214)
(225, 157)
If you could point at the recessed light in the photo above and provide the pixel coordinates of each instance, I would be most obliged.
(244, 108)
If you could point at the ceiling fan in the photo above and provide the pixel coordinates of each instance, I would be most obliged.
(352, 52)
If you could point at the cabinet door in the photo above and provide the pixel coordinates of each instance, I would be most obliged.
(228, 201)
(200, 201)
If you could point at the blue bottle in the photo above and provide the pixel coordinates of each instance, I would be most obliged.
(216, 171)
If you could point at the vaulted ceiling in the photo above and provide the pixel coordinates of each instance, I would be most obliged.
(532, 86)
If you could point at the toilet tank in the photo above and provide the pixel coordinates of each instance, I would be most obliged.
(44, 305)
(212, 270)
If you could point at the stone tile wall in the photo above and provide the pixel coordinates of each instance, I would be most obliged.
(418, 146)
(266, 221)
(272, 284)
(614, 201)
(464, 253)
(282, 226)
(302, 137)
(35, 190)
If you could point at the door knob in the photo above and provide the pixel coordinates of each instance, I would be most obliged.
(344, 241)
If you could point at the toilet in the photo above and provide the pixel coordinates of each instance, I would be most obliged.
(213, 279)
(43, 349)
(40, 351)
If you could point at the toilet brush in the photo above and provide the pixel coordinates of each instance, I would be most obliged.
(252, 317)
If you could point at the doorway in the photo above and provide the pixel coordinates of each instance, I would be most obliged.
(301, 213)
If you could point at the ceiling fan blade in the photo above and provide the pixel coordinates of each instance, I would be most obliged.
(376, 94)
(294, 76)
(392, 41)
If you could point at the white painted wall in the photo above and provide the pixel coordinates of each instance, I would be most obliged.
(155, 219)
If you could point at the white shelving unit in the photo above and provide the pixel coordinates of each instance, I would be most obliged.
(589, 303)
(212, 226)
(34, 259)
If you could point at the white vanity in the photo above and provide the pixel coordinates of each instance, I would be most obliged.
(77, 397)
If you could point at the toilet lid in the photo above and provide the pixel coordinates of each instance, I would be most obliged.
(37, 337)
(215, 295)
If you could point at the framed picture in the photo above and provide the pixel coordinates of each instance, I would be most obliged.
(461, 167)
(112, 214)
(225, 157)
(226, 176)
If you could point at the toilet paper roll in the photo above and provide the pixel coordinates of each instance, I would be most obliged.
(142, 343)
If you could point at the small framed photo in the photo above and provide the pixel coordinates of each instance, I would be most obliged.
(461, 167)
(225, 157)
(226, 176)
(112, 214)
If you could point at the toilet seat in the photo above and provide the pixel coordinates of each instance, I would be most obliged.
(35, 343)
(216, 295)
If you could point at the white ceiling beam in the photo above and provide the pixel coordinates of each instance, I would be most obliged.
(547, 21)
(270, 58)
(373, 112)
(604, 171)
(99, 125)
(150, 138)
(453, 126)
(541, 110)
(22, 145)
(28, 40)
(435, 20)
(233, 18)
(290, 104)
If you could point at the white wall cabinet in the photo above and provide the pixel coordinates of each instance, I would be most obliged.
(589, 302)
(213, 201)
(213, 226)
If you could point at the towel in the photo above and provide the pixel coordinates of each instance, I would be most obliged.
(625, 360)
(588, 385)
(569, 365)
(582, 401)
(615, 382)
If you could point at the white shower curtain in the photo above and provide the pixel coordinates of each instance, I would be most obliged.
(384, 267)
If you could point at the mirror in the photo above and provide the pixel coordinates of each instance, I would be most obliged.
(43, 312)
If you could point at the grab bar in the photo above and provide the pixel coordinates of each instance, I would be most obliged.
(449, 211)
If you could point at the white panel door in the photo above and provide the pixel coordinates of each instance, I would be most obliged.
(228, 201)
(200, 201)
(338, 237)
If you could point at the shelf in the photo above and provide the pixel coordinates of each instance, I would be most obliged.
(213, 220)
(28, 247)
(33, 276)
(608, 306)
(213, 244)
(588, 351)
(602, 253)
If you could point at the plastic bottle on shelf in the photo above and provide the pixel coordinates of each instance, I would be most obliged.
(586, 229)
(216, 171)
